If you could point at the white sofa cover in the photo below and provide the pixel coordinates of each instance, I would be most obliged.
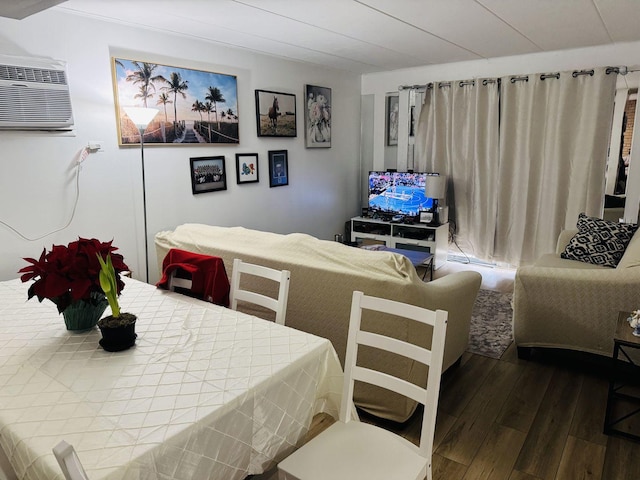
(568, 304)
(323, 276)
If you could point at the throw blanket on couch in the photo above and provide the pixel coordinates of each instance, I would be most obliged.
(324, 275)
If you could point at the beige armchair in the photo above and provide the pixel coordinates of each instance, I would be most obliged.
(568, 304)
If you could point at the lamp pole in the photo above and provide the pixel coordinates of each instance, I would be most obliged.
(141, 117)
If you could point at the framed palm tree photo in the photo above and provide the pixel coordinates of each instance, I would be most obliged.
(194, 106)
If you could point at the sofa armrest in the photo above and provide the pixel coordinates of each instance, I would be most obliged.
(572, 308)
(456, 293)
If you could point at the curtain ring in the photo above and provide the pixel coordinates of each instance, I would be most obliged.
(544, 76)
(468, 82)
(519, 79)
(583, 72)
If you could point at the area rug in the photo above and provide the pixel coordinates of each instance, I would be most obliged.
(491, 332)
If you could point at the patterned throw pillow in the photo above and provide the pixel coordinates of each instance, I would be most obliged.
(599, 242)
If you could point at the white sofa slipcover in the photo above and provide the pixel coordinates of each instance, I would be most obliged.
(567, 304)
(324, 275)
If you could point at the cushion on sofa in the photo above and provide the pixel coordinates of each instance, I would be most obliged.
(631, 257)
(553, 260)
(599, 242)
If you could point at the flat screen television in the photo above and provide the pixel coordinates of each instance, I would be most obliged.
(398, 193)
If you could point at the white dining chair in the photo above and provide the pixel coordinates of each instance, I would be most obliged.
(178, 282)
(69, 462)
(354, 450)
(282, 277)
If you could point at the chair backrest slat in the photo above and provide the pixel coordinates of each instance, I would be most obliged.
(282, 277)
(69, 461)
(433, 358)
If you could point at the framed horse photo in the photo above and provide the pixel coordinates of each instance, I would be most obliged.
(275, 114)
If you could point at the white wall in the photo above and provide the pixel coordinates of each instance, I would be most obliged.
(37, 169)
(379, 85)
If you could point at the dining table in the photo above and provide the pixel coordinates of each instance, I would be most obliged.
(206, 392)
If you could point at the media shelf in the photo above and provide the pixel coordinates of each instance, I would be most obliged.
(415, 236)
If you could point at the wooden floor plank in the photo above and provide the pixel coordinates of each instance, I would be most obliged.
(581, 460)
(462, 383)
(588, 420)
(622, 459)
(541, 453)
(516, 475)
(445, 469)
(522, 405)
(497, 455)
(467, 434)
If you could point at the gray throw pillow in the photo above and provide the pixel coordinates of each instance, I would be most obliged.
(599, 242)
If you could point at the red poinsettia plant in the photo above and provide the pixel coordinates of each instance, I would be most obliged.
(70, 273)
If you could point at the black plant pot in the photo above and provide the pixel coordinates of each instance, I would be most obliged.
(118, 333)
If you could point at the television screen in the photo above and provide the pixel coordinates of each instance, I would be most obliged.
(398, 193)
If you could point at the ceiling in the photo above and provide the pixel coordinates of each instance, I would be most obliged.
(364, 36)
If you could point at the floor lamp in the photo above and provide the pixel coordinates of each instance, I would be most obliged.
(141, 117)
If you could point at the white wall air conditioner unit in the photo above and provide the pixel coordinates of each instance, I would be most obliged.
(34, 94)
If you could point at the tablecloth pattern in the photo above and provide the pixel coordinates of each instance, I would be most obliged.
(207, 392)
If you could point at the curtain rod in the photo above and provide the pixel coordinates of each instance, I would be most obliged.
(621, 70)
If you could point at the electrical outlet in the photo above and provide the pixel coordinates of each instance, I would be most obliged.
(95, 146)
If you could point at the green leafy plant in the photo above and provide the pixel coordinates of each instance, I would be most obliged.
(109, 285)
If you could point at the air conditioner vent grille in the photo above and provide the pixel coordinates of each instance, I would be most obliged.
(31, 74)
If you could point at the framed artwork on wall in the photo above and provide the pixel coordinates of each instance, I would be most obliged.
(393, 103)
(247, 168)
(208, 174)
(317, 118)
(275, 114)
(194, 106)
(278, 168)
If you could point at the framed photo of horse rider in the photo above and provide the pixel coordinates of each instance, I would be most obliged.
(275, 114)
(317, 118)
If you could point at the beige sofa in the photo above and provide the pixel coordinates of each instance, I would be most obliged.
(568, 304)
(323, 276)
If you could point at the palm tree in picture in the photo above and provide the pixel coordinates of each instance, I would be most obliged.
(144, 76)
(208, 107)
(143, 94)
(176, 85)
(215, 97)
(163, 99)
(198, 107)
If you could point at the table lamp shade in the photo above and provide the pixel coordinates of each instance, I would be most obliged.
(141, 116)
(435, 186)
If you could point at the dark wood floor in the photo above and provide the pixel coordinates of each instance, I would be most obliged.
(514, 419)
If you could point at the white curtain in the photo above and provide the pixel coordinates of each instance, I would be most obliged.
(554, 136)
(457, 134)
(523, 159)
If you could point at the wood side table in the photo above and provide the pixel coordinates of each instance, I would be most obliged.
(623, 400)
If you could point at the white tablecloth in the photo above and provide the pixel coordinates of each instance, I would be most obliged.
(207, 392)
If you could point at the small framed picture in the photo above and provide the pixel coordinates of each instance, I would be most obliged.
(208, 174)
(393, 103)
(317, 119)
(278, 168)
(275, 114)
(247, 167)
